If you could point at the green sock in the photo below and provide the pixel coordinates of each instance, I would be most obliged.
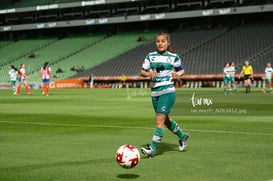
(158, 135)
(229, 90)
(176, 130)
(225, 90)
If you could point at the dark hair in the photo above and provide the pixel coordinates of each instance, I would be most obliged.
(247, 61)
(168, 39)
(45, 65)
(12, 66)
(226, 64)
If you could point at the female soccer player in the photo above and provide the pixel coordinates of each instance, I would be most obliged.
(227, 79)
(247, 71)
(46, 74)
(160, 66)
(268, 78)
(13, 72)
(232, 75)
(22, 79)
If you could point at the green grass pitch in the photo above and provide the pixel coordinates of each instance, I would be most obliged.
(74, 135)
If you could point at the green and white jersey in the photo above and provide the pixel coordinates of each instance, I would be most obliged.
(13, 74)
(232, 71)
(268, 72)
(227, 72)
(164, 65)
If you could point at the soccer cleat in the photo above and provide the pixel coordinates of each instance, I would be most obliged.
(183, 143)
(30, 93)
(264, 91)
(148, 151)
(14, 93)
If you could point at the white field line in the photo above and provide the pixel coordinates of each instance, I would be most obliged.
(133, 127)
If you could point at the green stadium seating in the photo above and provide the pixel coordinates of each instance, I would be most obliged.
(101, 52)
(52, 53)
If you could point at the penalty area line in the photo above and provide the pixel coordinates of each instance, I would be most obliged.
(133, 127)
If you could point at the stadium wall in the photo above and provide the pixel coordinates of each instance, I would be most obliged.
(187, 81)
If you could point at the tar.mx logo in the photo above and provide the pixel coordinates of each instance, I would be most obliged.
(199, 101)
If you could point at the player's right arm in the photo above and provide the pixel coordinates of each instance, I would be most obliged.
(242, 72)
(146, 66)
(26, 76)
(151, 74)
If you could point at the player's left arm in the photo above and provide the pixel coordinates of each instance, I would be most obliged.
(26, 76)
(40, 75)
(179, 69)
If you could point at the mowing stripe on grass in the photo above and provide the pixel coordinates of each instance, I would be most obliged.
(133, 127)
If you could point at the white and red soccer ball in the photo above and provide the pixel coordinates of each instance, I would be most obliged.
(127, 156)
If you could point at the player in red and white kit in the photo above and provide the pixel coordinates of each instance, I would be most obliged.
(45, 75)
(22, 79)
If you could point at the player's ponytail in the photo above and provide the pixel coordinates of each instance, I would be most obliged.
(14, 68)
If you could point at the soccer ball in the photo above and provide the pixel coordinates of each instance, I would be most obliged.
(127, 156)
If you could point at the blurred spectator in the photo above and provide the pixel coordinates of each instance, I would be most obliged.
(123, 81)
(78, 69)
(73, 69)
(141, 38)
(91, 81)
(32, 55)
(59, 70)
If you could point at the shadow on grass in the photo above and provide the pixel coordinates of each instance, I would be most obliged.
(164, 147)
(128, 176)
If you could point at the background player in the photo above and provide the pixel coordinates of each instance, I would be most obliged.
(247, 71)
(13, 72)
(22, 79)
(159, 67)
(45, 73)
(232, 71)
(268, 78)
(227, 79)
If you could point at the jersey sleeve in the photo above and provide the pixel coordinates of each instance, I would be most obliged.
(146, 64)
(178, 64)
